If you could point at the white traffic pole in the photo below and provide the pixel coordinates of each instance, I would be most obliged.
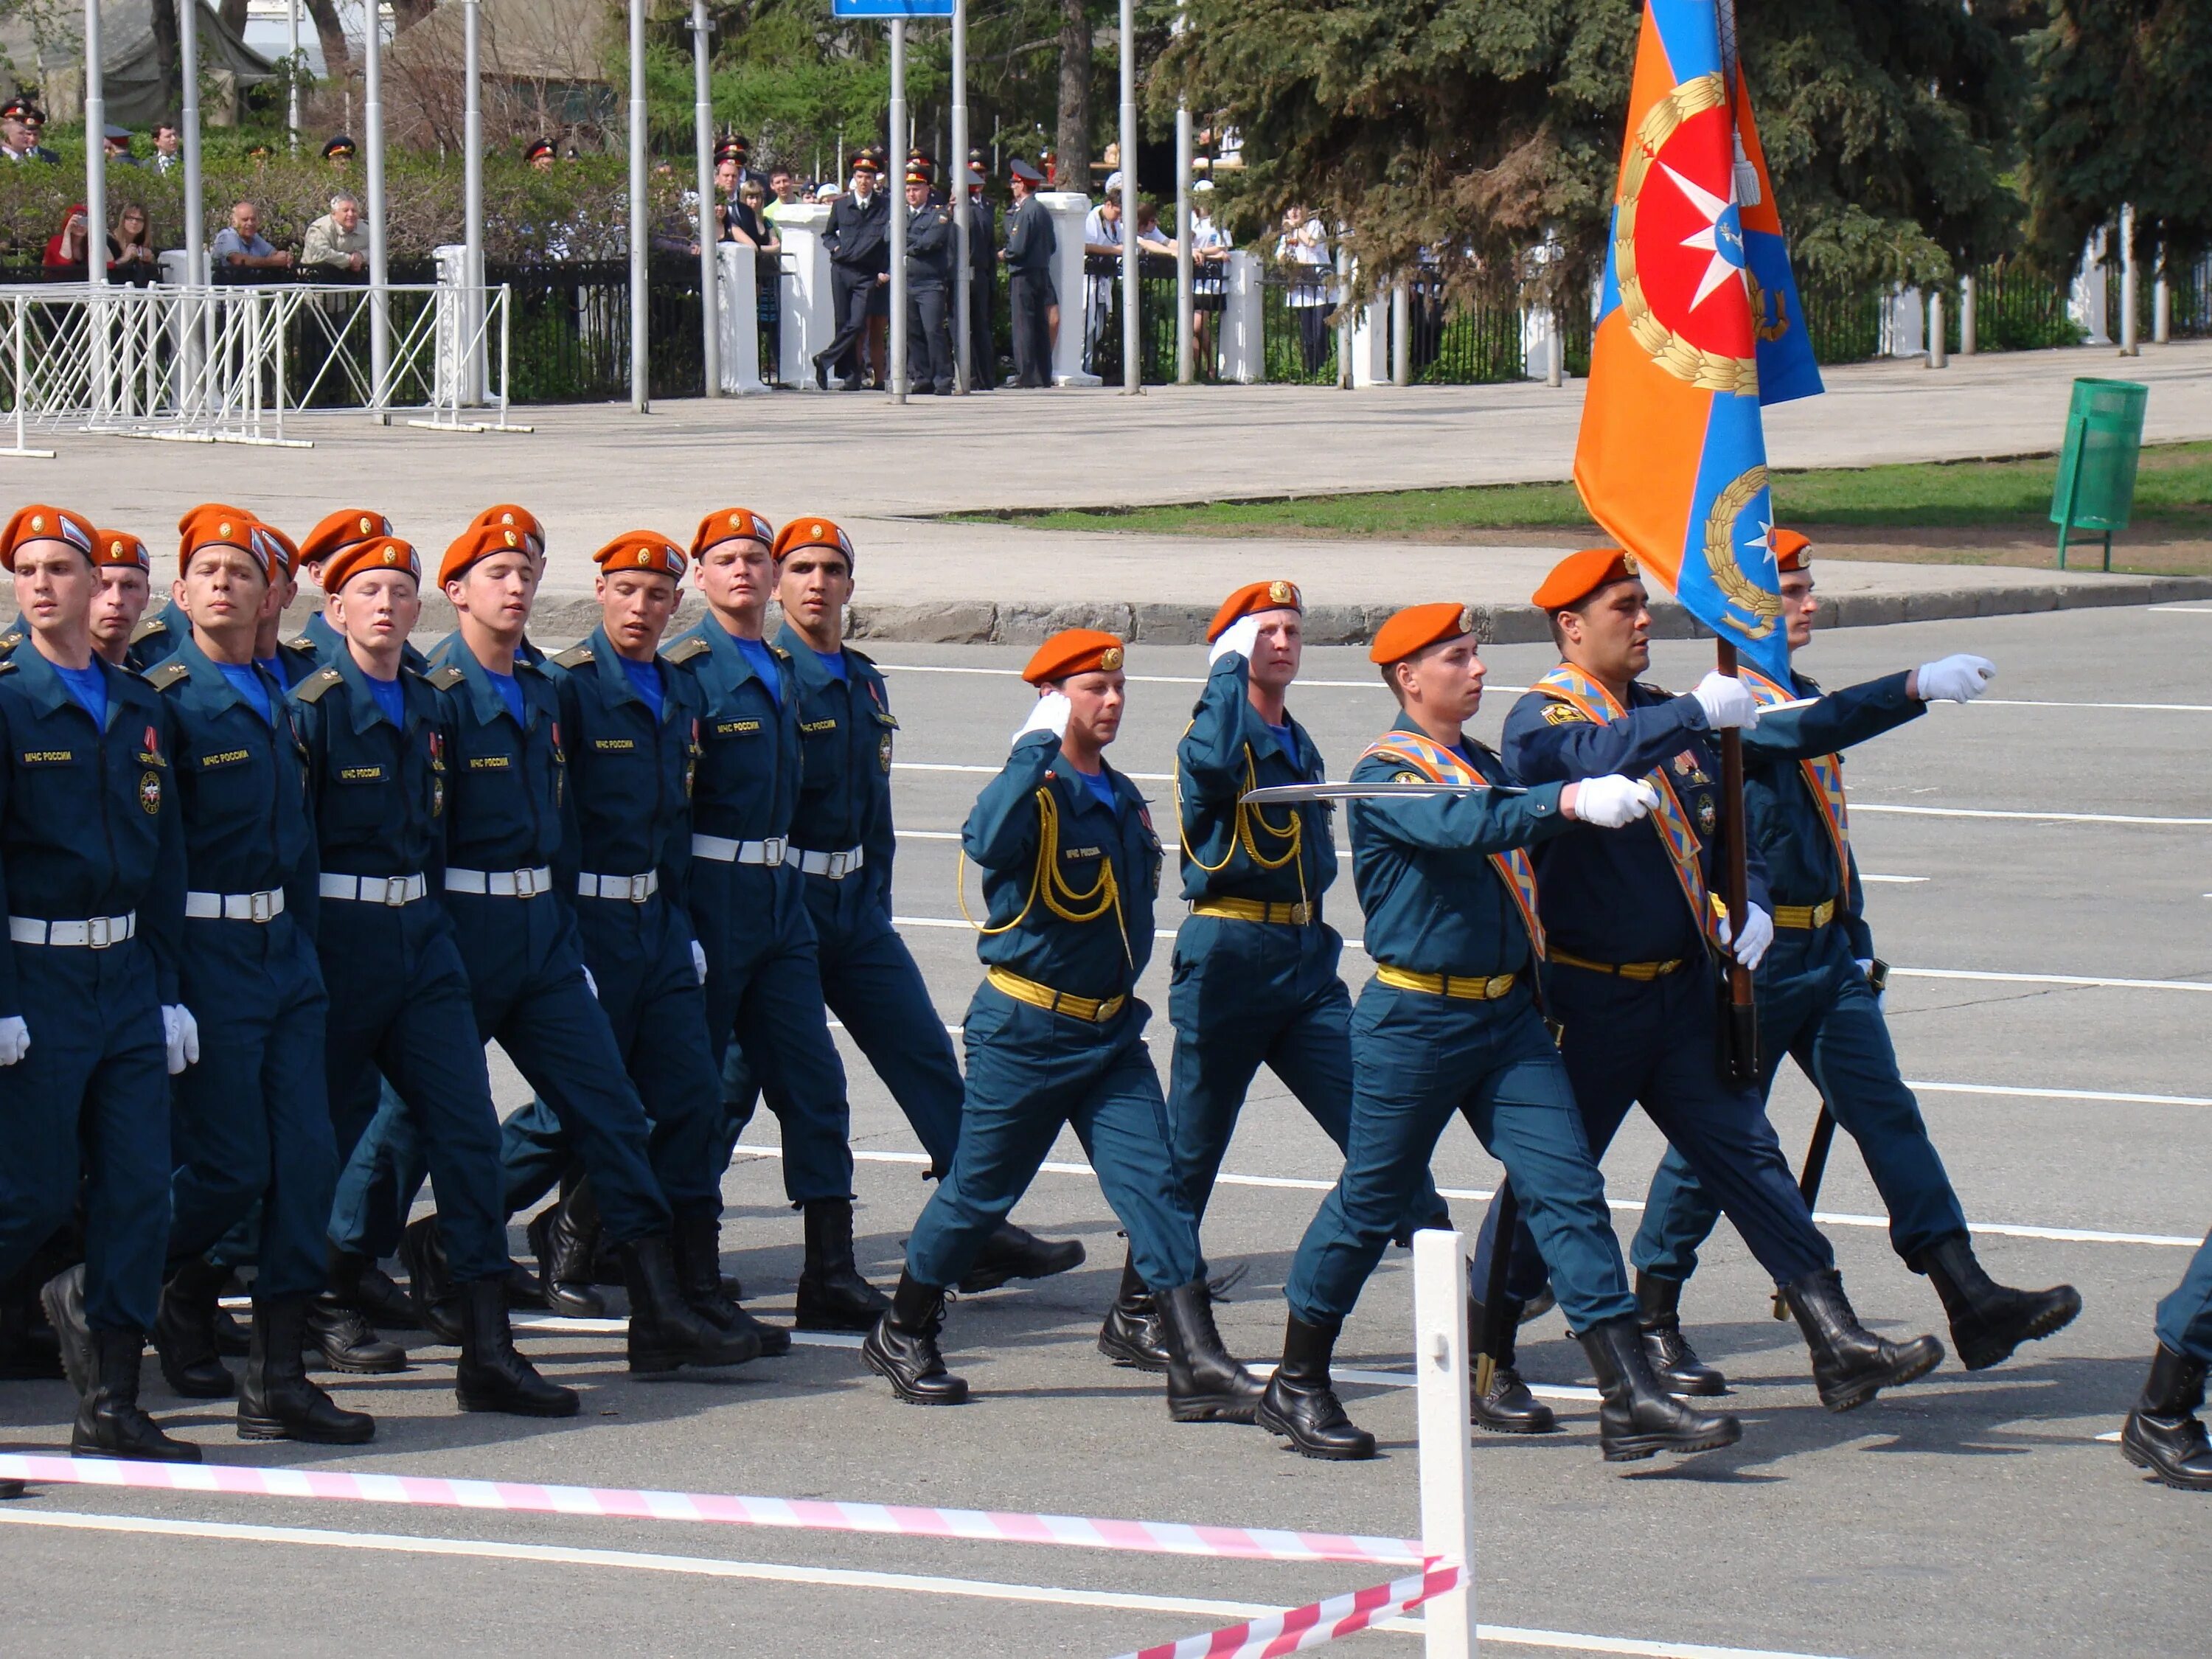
(1132, 336)
(640, 344)
(710, 228)
(2130, 324)
(380, 244)
(1186, 353)
(956, 187)
(473, 309)
(1442, 1408)
(199, 313)
(1939, 333)
(292, 75)
(896, 184)
(95, 201)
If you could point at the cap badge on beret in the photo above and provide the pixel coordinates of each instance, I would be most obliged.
(224, 529)
(1110, 659)
(1628, 563)
(391, 556)
(1282, 593)
(365, 524)
(38, 521)
(512, 539)
(1467, 619)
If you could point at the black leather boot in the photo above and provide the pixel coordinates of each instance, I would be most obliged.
(492, 1375)
(1300, 1403)
(1204, 1383)
(1989, 1320)
(665, 1332)
(2162, 1433)
(1639, 1417)
(902, 1348)
(63, 1298)
(1673, 1361)
(698, 1246)
(1014, 1252)
(340, 1332)
(430, 1280)
(832, 1295)
(1506, 1406)
(1131, 1334)
(184, 1331)
(276, 1400)
(524, 1292)
(232, 1339)
(1851, 1365)
(563, 1237)
(378, 1295)
(108, 1421)
(30, 1350)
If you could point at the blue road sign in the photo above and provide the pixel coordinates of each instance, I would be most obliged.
(892, 8)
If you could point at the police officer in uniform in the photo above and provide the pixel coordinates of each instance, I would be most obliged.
(1055, 1036)
(858, 242)
(1633, 935)
(930, 250)
(983, 276)
(92, 879)
(1030, 244)
(1817, 1005)
(1451, 1023)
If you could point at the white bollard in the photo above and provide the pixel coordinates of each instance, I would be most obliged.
(1939, 338)
(1444, 1412)
(1370, 344)
(737, 316)
(1243, 357)
(1068, 208)
(810, 310)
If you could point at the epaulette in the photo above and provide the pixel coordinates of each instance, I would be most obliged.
(446, 678)
(7, 665)
(167, 672)
(10, 640)
(305, 642)
(147, 628)
(576, 656)
(686, 648)
(311, 689)
(781, 652)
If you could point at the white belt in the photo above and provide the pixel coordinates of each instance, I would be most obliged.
(635, 888)
(97, 934)
(394, 890)
(235, 906)
(724, 851)
(502, 883)
(835, 865)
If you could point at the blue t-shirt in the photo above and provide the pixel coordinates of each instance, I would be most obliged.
(511, 693)
(645, 680)
(245, 679)
(1283, 737)
(1100, 786)
(833, 662)
(391, 698)
(756, 653)
(89, 685)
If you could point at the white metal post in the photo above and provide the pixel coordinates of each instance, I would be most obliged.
(195, 341)
(95, 207)
(1442, 1408)
(1402, 334)
(1186, 352)
(896, 184)
(956, 187)
(380, 262)
(472, 313)
(292, 75)
(641, 384)
(710, 227)
(2131, 342)
(1968, 320)
(2161, 304)
(1939, 339)
(1133, 337)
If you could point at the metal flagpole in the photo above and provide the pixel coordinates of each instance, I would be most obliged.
(896, 184)
(380, 264)
(710, 226)
(95, 201)
(955, 185)
(472, 311)
(1132, 380)
(196, 274)
(292, 76)
(641, 394)
(1186, 358)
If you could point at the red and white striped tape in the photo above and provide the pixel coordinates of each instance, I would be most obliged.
(1078, 1532)
(1312, 1625)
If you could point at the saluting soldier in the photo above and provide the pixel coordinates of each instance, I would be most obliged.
(92, 877)
(1634, 936)
(1030, 244)
(1817, 1004)
(1055, 1036)
(1451, 1023)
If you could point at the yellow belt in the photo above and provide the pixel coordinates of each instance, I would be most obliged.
(1805, 915)
(1467, 989)
(1637, 970)
(1054, 1002)
(1237, 909)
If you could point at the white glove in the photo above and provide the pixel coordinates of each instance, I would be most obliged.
(1612, 801)
(1758, 934)
(1050, 715)
(1880, 997)
(1239, 636)
(699, 960)
(1727, 701)
(1960, 678)
(591, 984)
(182, 1033)
(14, 1039)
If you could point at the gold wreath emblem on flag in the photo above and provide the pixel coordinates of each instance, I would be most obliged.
(1744, 594)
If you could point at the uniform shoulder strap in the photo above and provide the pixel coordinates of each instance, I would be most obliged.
(312, 689)
(168, 672)
(147, 628)
(576, 656)
(446, 678)
(8, 665)
(304, 642)
(686, 648)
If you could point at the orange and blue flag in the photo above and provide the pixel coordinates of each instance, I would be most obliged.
(1698, 326)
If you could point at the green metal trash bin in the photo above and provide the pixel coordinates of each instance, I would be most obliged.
(2096, 488)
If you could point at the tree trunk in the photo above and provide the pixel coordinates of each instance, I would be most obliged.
(231, 14)
(166, 55)
(405, 14)
(1073, 142)
(337, 61)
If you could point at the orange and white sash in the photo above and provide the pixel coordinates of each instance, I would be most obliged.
(1437, 763)
(1824, 776)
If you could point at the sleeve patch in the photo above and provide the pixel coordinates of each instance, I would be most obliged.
(1563, 714)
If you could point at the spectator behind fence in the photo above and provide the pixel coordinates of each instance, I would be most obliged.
(751, 225)
(783, 191)
(65, 256)
(19, 132)
(1303, 251)
(1102, 239)
(119, 147)
(1151, 239)
(130, 248)
(1209, 258)
(167, 152)
(239, 246)
(338, 240)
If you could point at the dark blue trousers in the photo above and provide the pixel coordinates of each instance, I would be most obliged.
(1417, 1061)
(378, 1183)
(2184, 1317)
(1656, 1044)
(1815, 1006)
(90, 1098)
(1030, 1072)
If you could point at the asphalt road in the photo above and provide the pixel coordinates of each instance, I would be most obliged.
(1968, 1515)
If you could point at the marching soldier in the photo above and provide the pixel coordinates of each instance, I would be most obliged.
(1027, 254)
(1818, 1005)
(332, 535)
(2163, 1434)
(157, 635)
(290, 660)
(1632, 934)
(1055, 1036)
(1451, 1023)
(126, 583)
(92, 872)
(930, 249)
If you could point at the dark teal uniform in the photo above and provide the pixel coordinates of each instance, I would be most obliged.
(1650, 1037)
(400, 1002)
(1069, 884)
(2185, 1317)
(90, 839)
(1815, 1003)
(157, 635)
(251, 1124)
(1437, 903)
(325, 643)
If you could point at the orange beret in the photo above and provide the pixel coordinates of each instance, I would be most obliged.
(1579, 575)
(640, 549)
(287, 550)
(1419, 626)
(341, 530)
(813, 532)
(377, 553)
(1253, 596)
(120, 547)
(43, 524)
(479, 541)
(1073, 651)
(213, 525)
(507, 516)
(1792, 551)
(727, 524)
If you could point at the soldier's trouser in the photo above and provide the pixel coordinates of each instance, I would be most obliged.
(91, 1095)
(400, 1003)
(1028, 1072)
(1029, 297)
(378, 1183)
(850, 293)
(1656, 1044)
(2184, 1317)
(1417, 1060)
(1815, 1006)
(252, 1120)
(929, 337)
(1247, 993)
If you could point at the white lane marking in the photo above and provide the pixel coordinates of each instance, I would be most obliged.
(2112, 1098)
(1868, 875)
(993, 771)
